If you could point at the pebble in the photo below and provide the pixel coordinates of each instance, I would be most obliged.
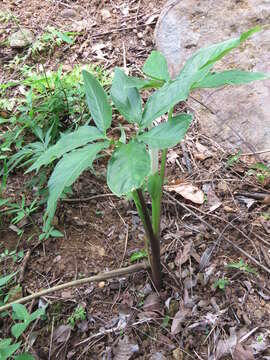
(68, 13)
(21, 38)
(101, 284)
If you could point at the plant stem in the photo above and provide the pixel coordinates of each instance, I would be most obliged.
(162, 176)
(153, 240)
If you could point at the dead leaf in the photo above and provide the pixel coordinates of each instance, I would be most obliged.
(212, 200)
(62, 333)
(242, 354)
(188, 191)
(125, 349)
(152, 303)
(202, 152)
(183, 255)
(178, 320)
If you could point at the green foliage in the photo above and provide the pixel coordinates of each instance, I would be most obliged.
(233, 159)
(78, 315)
(241, 266)
(97, 101)
(230, 77)
(138, 255)
(20, 313)
(126, 99)
(5, 279)
(7, 349)
(167, 134)
(67, 171)
(128, 167)
(156, 66)
(221, 284)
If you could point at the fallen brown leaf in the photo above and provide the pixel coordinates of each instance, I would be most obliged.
(188, 191)
(178, 320)
(242, 354)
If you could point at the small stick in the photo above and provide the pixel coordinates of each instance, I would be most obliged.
(100, 277)
(87, 198)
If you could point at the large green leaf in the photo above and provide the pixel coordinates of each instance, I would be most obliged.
(128, 167)
(194, 70)
(167, 134)
(97, 102)
(156, 66)
(66, 172)
(19, 328)
(20, 312)
(7, 349)
(126, 99)
(139, 83)
(230, 77)
(5, 279)
(66, 143)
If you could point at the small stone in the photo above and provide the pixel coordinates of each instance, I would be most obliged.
(105, 14)
(21, 38)
(171, 265)
(101, 284)
(259, 314)
(177, 354)
(68, 13)
(228, 209)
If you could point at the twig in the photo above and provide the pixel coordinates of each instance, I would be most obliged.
(251, 258)
(257, 152)
(186, 157)
(87, 198)
(255, 195)
(24, 265)
(100, 277)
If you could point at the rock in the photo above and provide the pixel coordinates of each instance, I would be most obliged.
(177, 354)
(68, 13)
(21, 38)
(105, 14)
(185, 26)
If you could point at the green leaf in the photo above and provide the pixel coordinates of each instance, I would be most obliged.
(56, 233)
(128, 167)
(97, 102)
(20, 312)
(66, 172)
(126, 99)
(7, 349)
(37, 314)
(24, 356)
(230, 77)
(167, 134)
(194, 70)
(138, 255)
(156, 66)
(66, 143)
(64, 37)
(5, 279)
(18, 329)
(131, 82)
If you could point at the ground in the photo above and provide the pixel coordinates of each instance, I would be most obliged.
(215, 256)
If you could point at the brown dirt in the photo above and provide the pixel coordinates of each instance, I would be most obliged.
(96, 231)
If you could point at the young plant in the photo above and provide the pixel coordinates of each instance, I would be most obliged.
(133, 167)
(78, 315)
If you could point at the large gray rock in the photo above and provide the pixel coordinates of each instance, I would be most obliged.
(21, 38)
(243, 112)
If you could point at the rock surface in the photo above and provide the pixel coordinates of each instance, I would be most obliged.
(242, 117)
(21, 38)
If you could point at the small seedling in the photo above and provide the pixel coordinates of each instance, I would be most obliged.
(242, 267)
(78, 315)
(221, 284)
(133, 167)
(261, 171)
(138, 255)
(233, 159)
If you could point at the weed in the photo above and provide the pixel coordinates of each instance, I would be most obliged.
(78, 315)
(242, 267)
(261, 171)
(133, 167)
(233, 159)
(221, 284)
(138, 255)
